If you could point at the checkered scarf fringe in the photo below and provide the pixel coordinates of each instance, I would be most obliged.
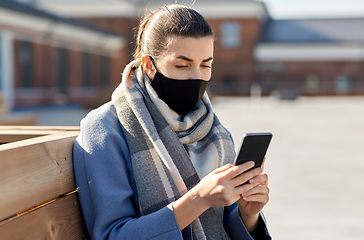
(164, 169)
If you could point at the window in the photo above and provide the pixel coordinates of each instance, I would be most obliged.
(312, 84)
(25, 62)
(105, 71)
(230, 35)
(343, 84)
(86, 69)
(63, 71)
(230, 83)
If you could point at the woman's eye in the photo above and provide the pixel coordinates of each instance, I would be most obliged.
(181, 66)
(206, 66)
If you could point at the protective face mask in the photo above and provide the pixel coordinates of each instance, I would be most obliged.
(181, 96)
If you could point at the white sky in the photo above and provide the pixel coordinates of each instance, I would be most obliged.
(280, 9)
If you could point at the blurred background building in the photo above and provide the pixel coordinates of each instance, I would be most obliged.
(58, 51)
(47, 59)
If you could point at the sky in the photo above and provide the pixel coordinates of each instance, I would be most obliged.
(282, 9)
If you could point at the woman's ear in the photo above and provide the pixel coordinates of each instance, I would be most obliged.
(148, 66)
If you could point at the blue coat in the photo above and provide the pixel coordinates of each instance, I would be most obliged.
(106, 188)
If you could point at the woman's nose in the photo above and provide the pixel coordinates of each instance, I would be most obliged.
(196, 74)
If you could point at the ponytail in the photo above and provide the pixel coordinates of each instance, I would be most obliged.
(137, 53)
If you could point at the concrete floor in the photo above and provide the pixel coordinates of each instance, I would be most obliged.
(315, 162)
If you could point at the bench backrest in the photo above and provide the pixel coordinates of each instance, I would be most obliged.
(38, 196)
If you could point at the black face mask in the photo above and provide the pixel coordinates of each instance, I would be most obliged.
(181, 96)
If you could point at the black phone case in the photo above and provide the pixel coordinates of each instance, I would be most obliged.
(254, 148)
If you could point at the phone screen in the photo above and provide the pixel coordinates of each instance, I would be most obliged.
(254, 148)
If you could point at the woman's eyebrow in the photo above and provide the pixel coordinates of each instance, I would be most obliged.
(184, 58)
(208, 59)
(191, 60)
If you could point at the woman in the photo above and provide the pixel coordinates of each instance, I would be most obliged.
(155, 162)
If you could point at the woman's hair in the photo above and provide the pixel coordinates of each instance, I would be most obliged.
(171, 20)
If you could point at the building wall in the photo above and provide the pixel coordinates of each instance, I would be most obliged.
(47, 75)
(233, 69)
(126, 28)
(312, 77)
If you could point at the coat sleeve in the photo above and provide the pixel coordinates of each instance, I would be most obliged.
(106, 194)
(235, 227)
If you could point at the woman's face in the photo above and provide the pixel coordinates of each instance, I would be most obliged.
(186, 58)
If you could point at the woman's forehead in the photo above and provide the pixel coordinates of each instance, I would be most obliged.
(192, 48)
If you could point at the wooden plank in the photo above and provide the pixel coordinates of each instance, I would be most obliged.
(14, 135)
(34, 171)
(17, 133)
(41, 128)
(60, 219)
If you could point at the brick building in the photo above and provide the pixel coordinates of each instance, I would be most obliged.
(47, 59)
(290, 57)
(236, 25)
(311, 56)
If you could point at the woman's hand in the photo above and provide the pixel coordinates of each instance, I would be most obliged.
(222, 187)
(253, 200)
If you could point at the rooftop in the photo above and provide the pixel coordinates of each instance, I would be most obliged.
(32, 10)
(313, 31)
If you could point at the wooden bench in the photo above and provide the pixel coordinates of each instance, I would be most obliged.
(38, 196)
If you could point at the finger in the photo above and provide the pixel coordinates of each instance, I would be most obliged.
(260, 198)
(259, 179)
(246, 189)
(262, 166)
(244, 177)
(239, 169)
(257, 190)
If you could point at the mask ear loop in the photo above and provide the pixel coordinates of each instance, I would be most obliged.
(155, 66)
(153, 62)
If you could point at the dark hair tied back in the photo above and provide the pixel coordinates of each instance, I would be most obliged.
(172, 20)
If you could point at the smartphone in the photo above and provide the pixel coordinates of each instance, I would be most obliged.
(254, 148)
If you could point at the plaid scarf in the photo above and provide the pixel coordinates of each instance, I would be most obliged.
(170, 153)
